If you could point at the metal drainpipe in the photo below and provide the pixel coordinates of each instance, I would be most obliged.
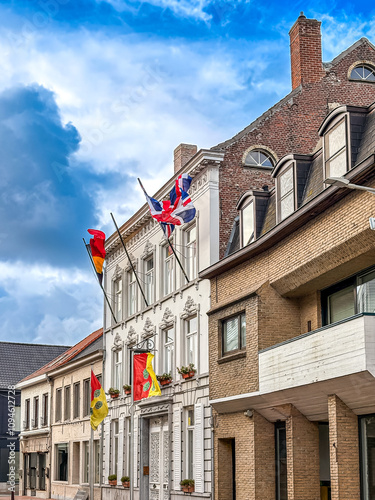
(212, 457)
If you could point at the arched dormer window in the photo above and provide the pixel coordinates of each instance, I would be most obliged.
(363, 71)
(259, 157)
(252, 207)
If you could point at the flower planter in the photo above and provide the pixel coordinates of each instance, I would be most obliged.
(165, 382)
(112, 482)
(115, 396)
(188, 375)
(128, 392)
(126, 484)
(188, 489)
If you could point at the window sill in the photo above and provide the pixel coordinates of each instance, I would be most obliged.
(231, 357)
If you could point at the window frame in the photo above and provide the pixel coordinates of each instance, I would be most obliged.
(341, 118)
(45, 411)
(188, 335)
(187, 247)
(27, 413)
(247, 203)
(67, 403)
(149, 287)
(171, 260)
(76, 399)
(189, 452)
(131, 295)
(57, 475)
(86, 401)
(263, 150)
(36, 412)
(58, 404)
(117, 365)
(168, 345)
(240, 347)
(118, 297)
(361, 64)
(290, 165)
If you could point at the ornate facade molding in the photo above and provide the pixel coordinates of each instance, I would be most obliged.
(149, 329)
(189, 309)
(168, 319)
(147, 410)
(148, 250)
(117, 341)
(117, 274)
(131, 339)
(133, 261)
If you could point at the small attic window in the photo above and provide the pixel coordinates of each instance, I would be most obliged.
(363, 72)
(257, 158)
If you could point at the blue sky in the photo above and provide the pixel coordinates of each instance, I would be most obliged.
(94, 93)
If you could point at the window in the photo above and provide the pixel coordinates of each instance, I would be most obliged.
(191, 252)
(86, 397)
(128, 453)
(115, 431)
(367, 433)
(191, 326)
(149, 279)
(190, 444)
(36, 412)
(281, 461)
(27, 413)
(132, 293)
(349, 297)
(335, 154)
(247, 224)
(67, 402)
(76, 399)
(61, 461)
(168, 276)
(259, 159)
(117, 364)
(86, 462)
(168, 336)
(286, 193)
(97, 461)
(118, 299)
(363, 72)
(45, 409)
(234, 333)
(58, 403)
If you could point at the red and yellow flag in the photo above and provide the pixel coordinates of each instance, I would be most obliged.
(98, 407)
(145, 383)
(97, 251)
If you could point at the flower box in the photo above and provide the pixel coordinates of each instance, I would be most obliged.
(188, 375)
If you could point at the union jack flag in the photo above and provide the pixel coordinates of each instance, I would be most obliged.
(178, 210)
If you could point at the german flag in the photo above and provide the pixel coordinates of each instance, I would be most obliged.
(98, 406)
(145, 382)
(97, 251)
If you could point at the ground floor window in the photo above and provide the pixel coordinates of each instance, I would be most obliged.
(281, 466)
(367, 430)
(62, 462)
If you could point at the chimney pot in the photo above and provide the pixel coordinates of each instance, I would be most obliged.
(182, 154)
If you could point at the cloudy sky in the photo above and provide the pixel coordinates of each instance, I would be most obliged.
(94, 93)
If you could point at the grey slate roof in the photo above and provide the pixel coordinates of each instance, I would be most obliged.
(97, 345)
(19, 360)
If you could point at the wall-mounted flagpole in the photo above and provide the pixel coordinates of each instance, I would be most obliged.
(131, 263)
(101, 286)
(91, 454)
(132, 443)
(170, 244)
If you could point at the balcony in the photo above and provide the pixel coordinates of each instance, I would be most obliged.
(335, 359)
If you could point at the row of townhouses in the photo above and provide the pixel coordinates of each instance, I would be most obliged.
(278, 316)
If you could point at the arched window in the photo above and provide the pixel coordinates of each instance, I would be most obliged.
(363, 72)
(259, 159)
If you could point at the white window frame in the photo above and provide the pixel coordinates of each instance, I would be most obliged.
(117, 369)
(149, 278)
(190, 430)
(242, 225)
(115, 446)
(86, 462)
(132, 302)
(344, 149)
(170, 260)
(189, 335)
(168, 345)
(191, 266)
(290, 166)
(118, 298)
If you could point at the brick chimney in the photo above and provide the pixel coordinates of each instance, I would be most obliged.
(182, 154)
(305, 51)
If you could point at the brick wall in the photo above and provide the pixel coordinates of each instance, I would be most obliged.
(254, 457)
(344, 450)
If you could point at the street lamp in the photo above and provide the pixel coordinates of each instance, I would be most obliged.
(345, 183)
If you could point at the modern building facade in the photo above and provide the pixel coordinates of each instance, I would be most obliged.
(55, 408)
(18, 360)
(291, 323)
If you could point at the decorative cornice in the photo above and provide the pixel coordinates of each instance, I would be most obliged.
(189, 309)
(133, 261)
(149, 329)
(155, 409)
(117, 274)
(168, 319)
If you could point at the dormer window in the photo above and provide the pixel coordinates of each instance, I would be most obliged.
(247, 224)
(257, 157)
(363, 72)
(335, 150)
(286, 203)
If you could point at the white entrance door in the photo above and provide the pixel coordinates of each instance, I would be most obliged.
(159, 459)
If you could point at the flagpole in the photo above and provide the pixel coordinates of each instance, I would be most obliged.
(91, 456)
(170, 244)
(131, 263)
(132, 431)
(101, 286)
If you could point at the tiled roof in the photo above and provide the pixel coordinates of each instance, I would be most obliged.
(84, 346)
(19, 360)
